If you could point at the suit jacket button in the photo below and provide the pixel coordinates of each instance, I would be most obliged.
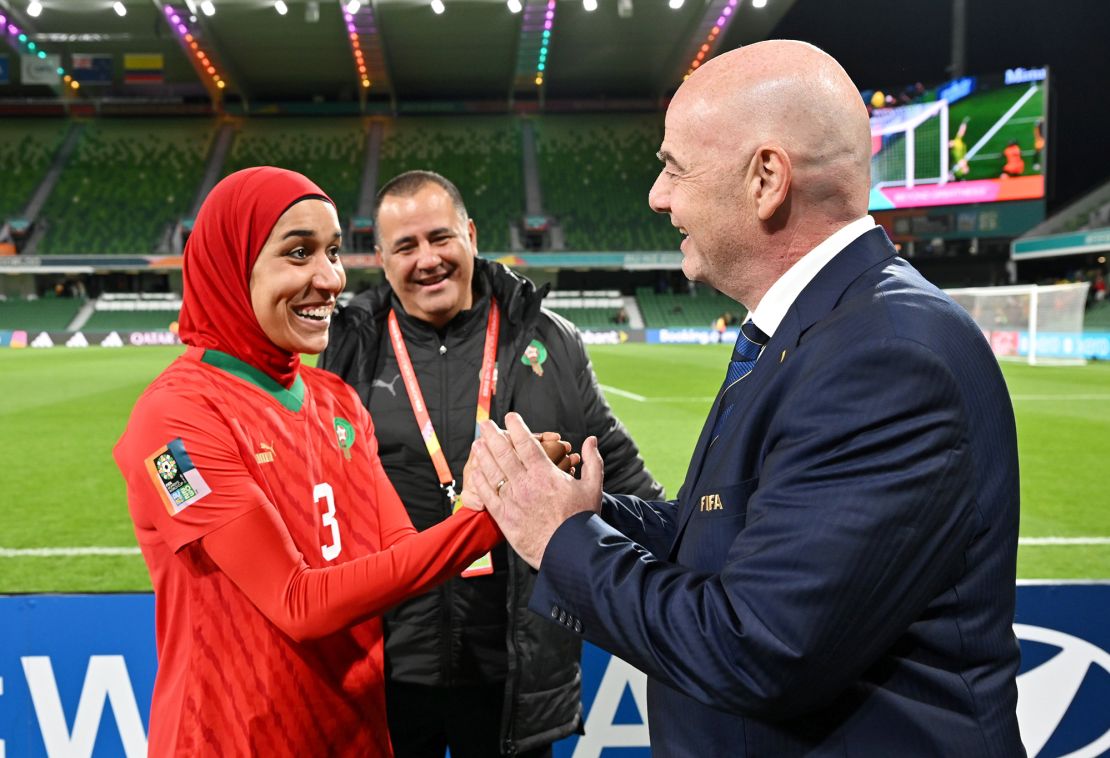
(578, 626)
(554, 611)
(562, 617)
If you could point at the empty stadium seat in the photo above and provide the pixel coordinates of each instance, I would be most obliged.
(27, 148)
(684, 310)
(330, 152)
(48, 314)
(127, 182)
(596, 172)
(480, 154)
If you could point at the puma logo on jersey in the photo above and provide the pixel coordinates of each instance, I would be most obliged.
(267, 454)
(387, 385)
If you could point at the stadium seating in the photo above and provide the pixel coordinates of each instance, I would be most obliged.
(127, 182)
(480, 154)
(587, 309)
(27, 147)
(107, 321)
(130, 311)
(680, 310)
(1097, 317)
(330, 151)
(44, 314)
(596, 172)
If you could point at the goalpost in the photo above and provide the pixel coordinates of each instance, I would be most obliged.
(910, 145)
(1038, 324)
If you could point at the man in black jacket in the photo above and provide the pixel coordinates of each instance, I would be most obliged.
(469, 667)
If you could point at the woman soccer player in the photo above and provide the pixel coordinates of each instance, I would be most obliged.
(272, 535)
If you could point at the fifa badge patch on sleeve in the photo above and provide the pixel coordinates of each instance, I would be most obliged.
(175, 477)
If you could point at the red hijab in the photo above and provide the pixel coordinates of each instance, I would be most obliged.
(233, 224)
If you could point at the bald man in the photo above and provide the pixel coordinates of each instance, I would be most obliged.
(836, 577)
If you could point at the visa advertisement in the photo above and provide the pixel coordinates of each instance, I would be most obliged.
(77, 672)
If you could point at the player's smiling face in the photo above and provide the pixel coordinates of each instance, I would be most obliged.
(297, 277)
(427, 251)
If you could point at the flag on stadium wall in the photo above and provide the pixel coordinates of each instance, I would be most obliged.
(37, 70)
(92, 68)
(142, 68)
(4, 75)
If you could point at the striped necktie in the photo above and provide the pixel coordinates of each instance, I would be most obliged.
(744, 355)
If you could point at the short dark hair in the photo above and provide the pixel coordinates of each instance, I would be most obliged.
(411, 182)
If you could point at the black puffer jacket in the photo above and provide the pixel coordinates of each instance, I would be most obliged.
(458, 634)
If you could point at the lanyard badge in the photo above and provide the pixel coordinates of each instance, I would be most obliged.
(484, 564)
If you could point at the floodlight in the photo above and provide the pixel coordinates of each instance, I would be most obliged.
(119, 8)
(34, 8)
(281, 7)
(353, 7)
(207, 8)
(438, 7)
(759, 3)
(589, 5)
(675, 4)
(515, 6)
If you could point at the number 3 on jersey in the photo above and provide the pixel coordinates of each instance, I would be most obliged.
(320, 492)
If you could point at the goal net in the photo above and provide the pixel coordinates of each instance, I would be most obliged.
(1037, 324)
(909, 145)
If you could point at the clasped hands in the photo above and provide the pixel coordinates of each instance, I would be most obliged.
(525, 481)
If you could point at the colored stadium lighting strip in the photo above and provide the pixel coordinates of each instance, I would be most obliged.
(201, 61)
(21, 40)
(534, 24)
(362, 34)
(724, 11)
(541, 60)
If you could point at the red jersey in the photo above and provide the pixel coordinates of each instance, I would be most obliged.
(213, 439)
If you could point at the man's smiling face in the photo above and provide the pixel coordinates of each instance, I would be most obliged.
(427, 250)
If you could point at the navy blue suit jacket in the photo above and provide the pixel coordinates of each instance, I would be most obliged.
(837, 575)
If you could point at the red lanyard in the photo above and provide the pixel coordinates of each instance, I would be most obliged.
(416, 398)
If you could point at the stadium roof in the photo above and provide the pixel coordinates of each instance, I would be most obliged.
(475, 50)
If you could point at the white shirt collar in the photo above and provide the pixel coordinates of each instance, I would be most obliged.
(782, 294)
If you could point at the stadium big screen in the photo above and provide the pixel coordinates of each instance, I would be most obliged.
(977, 139)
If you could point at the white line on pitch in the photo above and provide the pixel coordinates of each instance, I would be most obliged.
(1064, 540)
(64, 552)
(623, 393)
(1001, 122)
(1060, 397)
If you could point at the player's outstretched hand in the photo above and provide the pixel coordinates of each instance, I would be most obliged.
(558, 450)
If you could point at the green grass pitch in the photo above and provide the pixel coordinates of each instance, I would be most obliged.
(62, 410)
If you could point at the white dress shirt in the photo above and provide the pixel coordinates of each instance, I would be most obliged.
(782, 294)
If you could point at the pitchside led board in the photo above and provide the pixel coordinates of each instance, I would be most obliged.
(77, 672)
(977, 139)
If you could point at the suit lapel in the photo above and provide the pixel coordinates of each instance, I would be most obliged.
(815, 302)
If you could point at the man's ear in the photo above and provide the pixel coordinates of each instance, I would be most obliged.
(472, 232)
(378, 255)
(771, 182)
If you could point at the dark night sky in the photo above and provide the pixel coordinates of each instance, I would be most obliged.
(890, 42)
